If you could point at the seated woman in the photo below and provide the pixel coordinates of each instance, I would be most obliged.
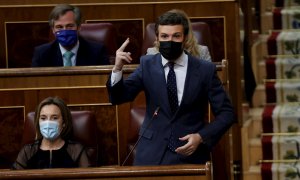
(191, 45)
(53, 147)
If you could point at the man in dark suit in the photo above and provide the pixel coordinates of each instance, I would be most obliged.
(68, 49)
(178, 88)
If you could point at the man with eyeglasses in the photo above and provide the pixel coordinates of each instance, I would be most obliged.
(68, 48)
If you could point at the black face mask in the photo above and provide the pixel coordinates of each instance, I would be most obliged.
(170, 50)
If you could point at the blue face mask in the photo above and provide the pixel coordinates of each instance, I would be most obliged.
(49, 129)
(67, 38)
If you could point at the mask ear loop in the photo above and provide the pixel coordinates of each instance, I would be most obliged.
(61, 129)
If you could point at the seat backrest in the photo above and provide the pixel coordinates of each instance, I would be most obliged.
(149, 37)
(104, 33)
(84, 131)
(200, 29)
(203, 35)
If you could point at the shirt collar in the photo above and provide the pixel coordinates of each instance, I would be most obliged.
(73, 50)
(181, 61)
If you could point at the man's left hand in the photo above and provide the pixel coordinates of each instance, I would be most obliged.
(193, 141)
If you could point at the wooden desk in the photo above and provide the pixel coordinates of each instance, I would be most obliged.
(180, 172)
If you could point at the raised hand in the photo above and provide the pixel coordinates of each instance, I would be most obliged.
(122, 57)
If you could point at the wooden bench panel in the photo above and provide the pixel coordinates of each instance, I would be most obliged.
(182, 172)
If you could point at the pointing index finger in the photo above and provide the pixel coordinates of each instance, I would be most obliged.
(123, 46)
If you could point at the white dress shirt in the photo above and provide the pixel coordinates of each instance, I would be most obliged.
(180, 68)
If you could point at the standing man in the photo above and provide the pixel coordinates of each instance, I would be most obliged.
(68, 49)
(178, 88)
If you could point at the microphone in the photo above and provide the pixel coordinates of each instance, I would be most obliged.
(136, 143)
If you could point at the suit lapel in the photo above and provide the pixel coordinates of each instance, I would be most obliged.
(158, 78)
(80, 59)
(160, 86)
(192, 76)
(58, 58)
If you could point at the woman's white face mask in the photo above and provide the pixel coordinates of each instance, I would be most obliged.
(49, 129)
(50, 122)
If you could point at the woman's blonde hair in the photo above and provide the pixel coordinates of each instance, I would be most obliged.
(190, 43)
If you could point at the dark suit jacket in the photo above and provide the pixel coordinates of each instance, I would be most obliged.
(89, 54)
(202, 85)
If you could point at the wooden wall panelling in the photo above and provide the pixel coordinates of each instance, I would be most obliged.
(128, 28)
(129, 20)
(118, 15)
(82, 88)
(217, 29)
(11, 125)
(17, 15)
(30, 100)
(20, 44)
(31, 29)
(81, 95)
(21, 38)
(107, 125)
(123, 118)
(233, 55)
(13, 98)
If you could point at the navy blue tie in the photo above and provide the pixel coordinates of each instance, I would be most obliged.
(173, 101)
(172, 142)
(172, 88)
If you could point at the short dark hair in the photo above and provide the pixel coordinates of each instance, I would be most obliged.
(62, 9)
(172, 18)
(67, 130)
